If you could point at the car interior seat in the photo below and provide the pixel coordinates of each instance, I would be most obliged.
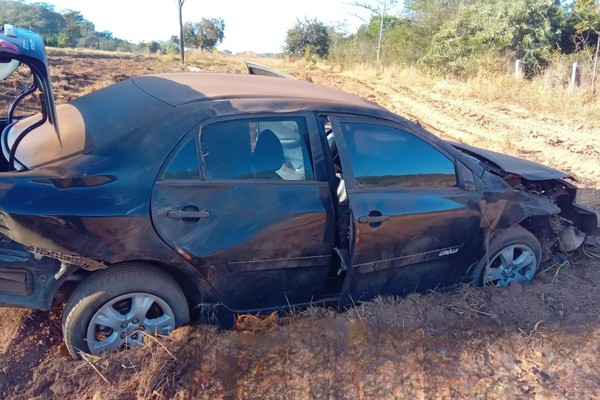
(268, 155)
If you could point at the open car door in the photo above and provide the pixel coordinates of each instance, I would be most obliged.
(414, 226)
(259, 69)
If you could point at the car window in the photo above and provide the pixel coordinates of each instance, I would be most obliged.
(257, 148)
(184, 164)
(383, 156)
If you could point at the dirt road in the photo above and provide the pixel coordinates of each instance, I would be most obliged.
(538, 341)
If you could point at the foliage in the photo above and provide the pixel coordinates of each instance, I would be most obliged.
(371, 29)
(587, 13)
(38, 17)
(530, 29)
(307, 38)
(463, 37)
(585, 21)
(205, 35)
(66, 29)
(380, 11)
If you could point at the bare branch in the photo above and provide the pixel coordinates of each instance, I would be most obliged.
(366, 6)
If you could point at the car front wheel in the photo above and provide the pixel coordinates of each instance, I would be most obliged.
(115, 308)
(514, 256)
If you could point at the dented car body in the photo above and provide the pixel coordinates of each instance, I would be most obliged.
(247, 193)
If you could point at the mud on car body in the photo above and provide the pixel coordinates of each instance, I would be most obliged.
(172, 197)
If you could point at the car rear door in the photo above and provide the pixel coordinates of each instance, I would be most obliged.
(416, 225)
(240, 201)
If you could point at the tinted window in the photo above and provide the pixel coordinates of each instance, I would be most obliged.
(256, 149)
(184, 164)
(382, 156)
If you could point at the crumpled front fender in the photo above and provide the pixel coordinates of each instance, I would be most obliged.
(501, 210)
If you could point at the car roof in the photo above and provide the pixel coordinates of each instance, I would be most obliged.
(181, 88)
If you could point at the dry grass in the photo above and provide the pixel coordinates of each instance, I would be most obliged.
(90, 53)
(543, 95)
(537, 96)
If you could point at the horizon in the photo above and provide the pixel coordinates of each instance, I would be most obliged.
(260, 33)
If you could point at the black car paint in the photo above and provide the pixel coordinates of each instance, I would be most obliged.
(526, 169)
(110, 203)
(246, 281)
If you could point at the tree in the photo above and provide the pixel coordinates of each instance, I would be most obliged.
(38, 17)
(73, 29)
(153, 47)
(530, 29)
(206, 34)
(374, 35)
(306, 38)
(588, 13)
(379, 8)
(181, 49)
(66, 29)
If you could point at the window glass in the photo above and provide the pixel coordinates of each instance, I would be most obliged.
(262, 148)
(382, 156)
(184, 165)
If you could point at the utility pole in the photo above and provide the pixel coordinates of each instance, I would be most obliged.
(181, 49)
(595, 65)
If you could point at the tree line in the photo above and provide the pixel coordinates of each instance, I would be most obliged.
(66, 29)
(455, 36)
(448, 36)
(69, 28)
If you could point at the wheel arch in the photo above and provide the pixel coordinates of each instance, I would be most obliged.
(505, 236)
(196, 289)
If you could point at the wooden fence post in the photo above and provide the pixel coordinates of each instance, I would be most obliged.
(575, 76)
(518, 69)
(595, 65)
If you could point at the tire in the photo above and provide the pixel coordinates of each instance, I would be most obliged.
(514, 255)
(114, 308)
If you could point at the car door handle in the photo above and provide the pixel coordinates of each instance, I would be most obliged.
(373, 219)
(178, 214)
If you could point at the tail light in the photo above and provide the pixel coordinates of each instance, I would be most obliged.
(8, 47)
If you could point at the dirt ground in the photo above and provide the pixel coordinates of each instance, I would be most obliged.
(539, 341)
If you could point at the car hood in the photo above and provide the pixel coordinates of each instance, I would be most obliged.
(527, 169)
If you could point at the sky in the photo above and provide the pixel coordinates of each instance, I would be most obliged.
(250, 25)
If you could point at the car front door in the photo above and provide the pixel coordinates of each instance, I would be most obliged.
(415, 224)
(240, 201)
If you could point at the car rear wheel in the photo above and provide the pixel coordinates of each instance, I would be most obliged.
(115, 308)
(514, 256)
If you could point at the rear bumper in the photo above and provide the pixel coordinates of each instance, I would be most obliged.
(25, 281)
(17, 282)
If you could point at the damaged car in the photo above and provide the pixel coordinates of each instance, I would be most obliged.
(168, 198)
